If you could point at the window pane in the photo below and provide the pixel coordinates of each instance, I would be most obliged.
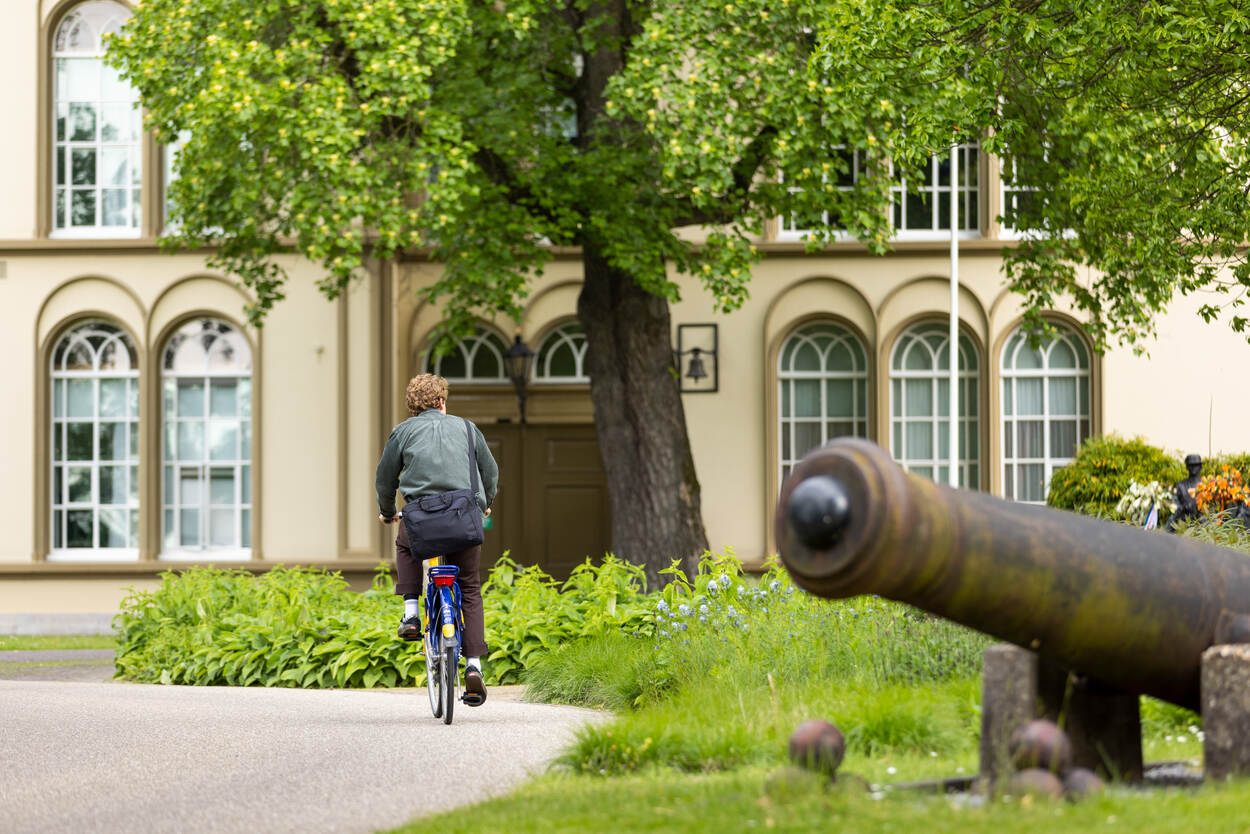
(78, 528)
(1063, 396)
(58, 484)
(221, 486)
(919, 441)
(1031, 438)
(786, 385)
(169, 484)
(171, 533)
(1029, 395)
(191, 441)
(1006, 397)
(134, 485)
(806, 358)
(112, 441)
(841, 398)
(78, 79)
(113, 211)
(170, 396)
(223, 398)
(245, 483)
(919, 212)
(116, 166)
(245, 519)
(245, 398)
(190, 398)
(79, 483)
(1032, 482)
(1063, 439)
(919, 397)
(1061, 356)
(114, 528)
(112, 398)
(112, 485)
(82, 166)
(82, 129)
(190, 528)
(221, 528)
(806, 438)
(1009, 491)
(58, 529)
(82, 207)
(81, 398)
(190, 487)
(223, 440)
(79, 437)
(486, 364)
(807, 398)
(245, 441)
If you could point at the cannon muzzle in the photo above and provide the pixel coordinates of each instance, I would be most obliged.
(1130, 608)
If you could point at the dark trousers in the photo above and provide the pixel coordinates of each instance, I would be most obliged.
(408, 568)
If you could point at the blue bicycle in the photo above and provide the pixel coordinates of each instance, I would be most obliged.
(444, 625)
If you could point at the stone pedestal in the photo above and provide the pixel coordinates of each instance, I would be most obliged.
(1226, 711)
(1103, 724)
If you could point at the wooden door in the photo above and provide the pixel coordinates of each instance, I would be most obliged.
(552, 507)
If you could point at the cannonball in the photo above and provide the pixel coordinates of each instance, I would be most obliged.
(1040, 744)
(1036, 782)
(818, 745)
(1080, 782)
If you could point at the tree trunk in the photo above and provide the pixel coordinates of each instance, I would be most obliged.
(652, 488)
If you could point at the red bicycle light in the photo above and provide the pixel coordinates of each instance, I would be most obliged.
(444, 580)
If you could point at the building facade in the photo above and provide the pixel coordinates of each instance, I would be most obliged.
(148, 426)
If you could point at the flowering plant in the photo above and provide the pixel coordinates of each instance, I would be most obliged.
(1139, 498)
(1218, 493)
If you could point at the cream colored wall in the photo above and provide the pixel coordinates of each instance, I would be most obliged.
(40, 595)
(19, 43)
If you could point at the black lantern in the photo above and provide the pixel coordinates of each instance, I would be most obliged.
(517, 362)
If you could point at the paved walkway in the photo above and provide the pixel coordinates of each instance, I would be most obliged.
(110, 757)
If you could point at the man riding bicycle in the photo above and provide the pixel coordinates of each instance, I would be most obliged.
(427, 454)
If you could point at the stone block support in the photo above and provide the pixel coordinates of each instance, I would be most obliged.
(1226, 711)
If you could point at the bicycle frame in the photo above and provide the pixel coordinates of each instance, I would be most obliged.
(442, 604)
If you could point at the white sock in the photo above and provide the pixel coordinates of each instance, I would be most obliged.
(412, 607)
(473, 663)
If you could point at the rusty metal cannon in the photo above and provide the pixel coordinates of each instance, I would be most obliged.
(1131, 610)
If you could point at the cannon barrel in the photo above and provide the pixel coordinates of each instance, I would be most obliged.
(1133, 609)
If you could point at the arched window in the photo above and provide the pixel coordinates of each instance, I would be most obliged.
(1046, 393)
(476, 358)
(920, 404)
(561, 356)
(207, 442)
(822, 375)
(95, 444)
(97, 153)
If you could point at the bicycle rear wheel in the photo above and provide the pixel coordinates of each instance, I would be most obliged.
(449, 679)
(433, 676)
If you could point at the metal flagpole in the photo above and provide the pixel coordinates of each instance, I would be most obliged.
(954, 322)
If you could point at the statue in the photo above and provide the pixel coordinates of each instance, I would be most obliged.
(1186, 505)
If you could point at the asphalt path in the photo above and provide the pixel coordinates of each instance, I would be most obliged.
(113, 757)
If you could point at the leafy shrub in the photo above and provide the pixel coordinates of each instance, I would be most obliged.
(1104, 467)
(304, 627)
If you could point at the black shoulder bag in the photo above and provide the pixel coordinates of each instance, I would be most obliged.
(449, 521)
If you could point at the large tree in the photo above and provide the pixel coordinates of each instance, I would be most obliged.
(481, 133)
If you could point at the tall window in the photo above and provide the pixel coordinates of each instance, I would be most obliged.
(561, 357)
(96, 147)
(477, 358)
(822, 376)
(1046, 394)
(927, 211)
(207, 442)
(95, 444)
(920, 404)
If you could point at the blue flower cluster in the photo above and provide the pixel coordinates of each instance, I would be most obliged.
(726, 605)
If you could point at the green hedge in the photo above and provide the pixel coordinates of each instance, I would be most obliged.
(1104, 468)
(303, 627)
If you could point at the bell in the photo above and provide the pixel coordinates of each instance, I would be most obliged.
(696, 371)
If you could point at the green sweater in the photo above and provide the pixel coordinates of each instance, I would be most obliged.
(429, 454)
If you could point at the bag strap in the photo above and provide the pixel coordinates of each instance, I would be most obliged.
(468, 430)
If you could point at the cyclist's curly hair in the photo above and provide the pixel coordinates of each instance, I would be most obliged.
(424, 391)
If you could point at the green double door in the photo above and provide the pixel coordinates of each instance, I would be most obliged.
(552, 506)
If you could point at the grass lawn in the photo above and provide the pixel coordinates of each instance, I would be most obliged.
(30, 642)
(739, 801)
(705, 708)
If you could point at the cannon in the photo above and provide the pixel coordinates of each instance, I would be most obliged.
(1133, 611)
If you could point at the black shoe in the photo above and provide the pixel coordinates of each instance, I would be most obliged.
(474, 688)
(410, 628)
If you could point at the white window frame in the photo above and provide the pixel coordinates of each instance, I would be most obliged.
(481, 339)
(59, 408)
(104, 16)
(933, 337)
(241, 464)
(940, 197)
(571, 336)
(1011, 376)
(786, 377)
